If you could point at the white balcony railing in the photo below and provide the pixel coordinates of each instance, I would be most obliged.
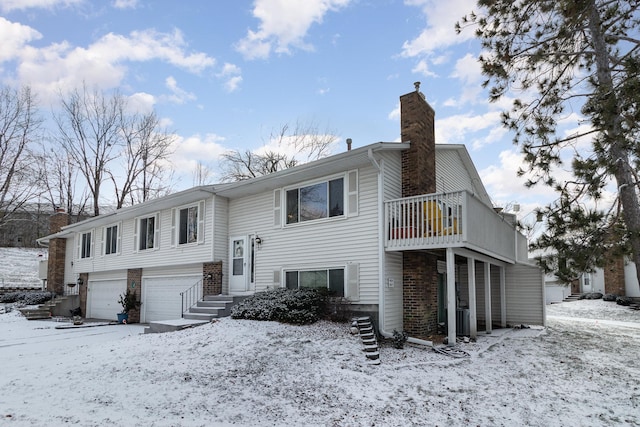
(455, 219)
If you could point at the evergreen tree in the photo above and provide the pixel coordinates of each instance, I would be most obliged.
(561, 57)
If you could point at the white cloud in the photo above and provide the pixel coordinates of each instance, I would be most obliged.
(284, 25)
(231, 74)
(125, 4)
(178, 95)
(188, 151)
(14, 37)
(456, 129)
(141, 102)
(440, 33)
(102, 64)
(232, 84)
(422, 67)
(505, 187)
(9, 5)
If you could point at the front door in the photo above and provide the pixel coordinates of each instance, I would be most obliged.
(238, 279)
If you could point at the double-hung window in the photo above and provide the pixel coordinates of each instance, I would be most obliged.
(328, 278)
(84, 247)
(188, 225)
(316, 201)
(111, 240)
(147, 228)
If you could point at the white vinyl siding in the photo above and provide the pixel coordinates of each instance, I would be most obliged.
(316, 243)
(452, 175)
(525, 295)
(162, 254)
(392, 189)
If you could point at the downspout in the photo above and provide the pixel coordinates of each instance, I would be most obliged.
(381, 264)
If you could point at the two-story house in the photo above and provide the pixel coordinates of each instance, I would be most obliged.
(405, 231)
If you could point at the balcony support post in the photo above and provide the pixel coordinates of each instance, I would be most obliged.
(487, 297)
(473, 316)
(451, 297)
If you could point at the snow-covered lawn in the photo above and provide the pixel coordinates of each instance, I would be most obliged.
(576, 372)
(19, 266)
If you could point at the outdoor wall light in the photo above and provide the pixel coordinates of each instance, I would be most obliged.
(208, 276)
(258, 240)
(80, 281)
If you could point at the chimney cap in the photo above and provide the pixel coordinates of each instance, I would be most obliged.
(417, 86)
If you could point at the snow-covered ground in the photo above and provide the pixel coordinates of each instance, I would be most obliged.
(582, 370)
(19, 266)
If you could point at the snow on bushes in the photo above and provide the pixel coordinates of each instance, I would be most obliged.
(299, 306)
(26, 297)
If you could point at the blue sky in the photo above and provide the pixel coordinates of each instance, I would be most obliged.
(224, 74)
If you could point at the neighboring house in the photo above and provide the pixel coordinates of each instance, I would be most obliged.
(618, 277)
(405, 231)
(24, 226)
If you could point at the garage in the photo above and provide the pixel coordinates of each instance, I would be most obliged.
(161, 298)
(102, 298)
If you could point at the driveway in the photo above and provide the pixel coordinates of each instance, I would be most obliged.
(39, 343)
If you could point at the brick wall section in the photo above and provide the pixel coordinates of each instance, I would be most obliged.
(419, 161)
(420, 274)
(82, 292)
(614, 276)
(134, 276)
(420, 294)
(212, 286)
(57, 252)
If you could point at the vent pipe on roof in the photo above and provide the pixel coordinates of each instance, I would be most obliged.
(349, 144)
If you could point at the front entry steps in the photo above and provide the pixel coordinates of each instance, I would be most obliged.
(211, 307)
(368, 337)
(58, 306)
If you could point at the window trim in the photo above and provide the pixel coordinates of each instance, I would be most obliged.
(323, 268)
(81, 245)
(118, 239)
(200, 206)
(282, 206)
(137, 232)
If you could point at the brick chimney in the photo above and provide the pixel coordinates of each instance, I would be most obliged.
(419, 269)
(419, 162)
(57, 251)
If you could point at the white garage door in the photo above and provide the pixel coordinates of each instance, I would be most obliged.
(161, 296)
(102, 298)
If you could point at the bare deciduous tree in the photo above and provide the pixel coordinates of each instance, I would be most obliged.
(202, 174)
(88, 131)
(301, 144)
(145, 148)
(19, 175)
(96, 130)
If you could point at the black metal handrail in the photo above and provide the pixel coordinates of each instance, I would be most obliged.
(190, 297)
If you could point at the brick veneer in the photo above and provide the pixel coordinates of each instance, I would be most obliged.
(82, 292)
(134, 277)
(212, 286)
(420, 274)
(614, 276)
(420, 294)
(57, 252)
(419, 161)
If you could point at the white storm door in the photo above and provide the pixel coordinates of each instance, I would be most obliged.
(238, 277)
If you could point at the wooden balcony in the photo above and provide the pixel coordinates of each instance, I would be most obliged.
(459, 220)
